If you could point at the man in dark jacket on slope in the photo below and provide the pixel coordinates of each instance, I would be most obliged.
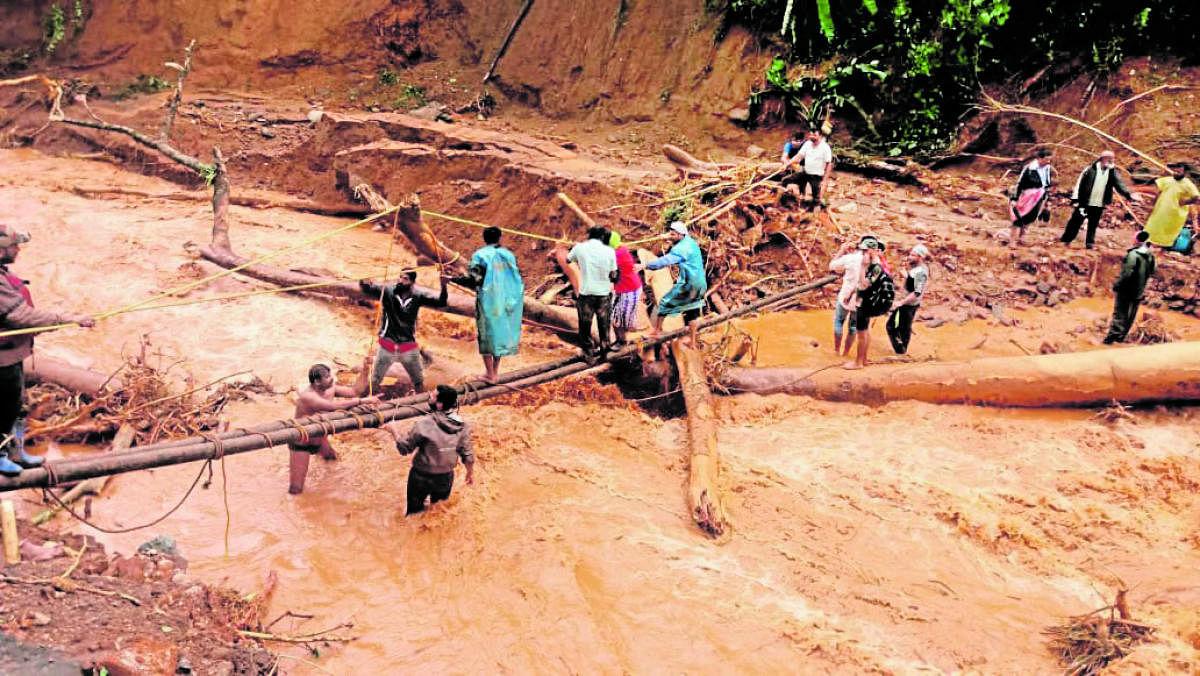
(1094, 191)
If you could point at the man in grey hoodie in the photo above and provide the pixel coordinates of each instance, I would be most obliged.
(439, 439)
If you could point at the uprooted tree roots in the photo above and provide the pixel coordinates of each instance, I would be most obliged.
(1088, 643)
(148, 401)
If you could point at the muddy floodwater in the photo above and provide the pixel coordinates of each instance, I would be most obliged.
(904, 538)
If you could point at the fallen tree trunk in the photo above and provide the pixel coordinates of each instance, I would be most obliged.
(39, 369)
(1153, 373)
(220, 251)
(704, 498)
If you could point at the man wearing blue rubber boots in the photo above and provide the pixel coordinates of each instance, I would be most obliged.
(17, 312)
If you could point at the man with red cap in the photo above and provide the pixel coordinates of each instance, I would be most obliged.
(17, 312)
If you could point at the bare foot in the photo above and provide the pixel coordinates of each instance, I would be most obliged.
(852, 366)
(489, 378)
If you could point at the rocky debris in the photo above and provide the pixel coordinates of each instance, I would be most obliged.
(140, 623)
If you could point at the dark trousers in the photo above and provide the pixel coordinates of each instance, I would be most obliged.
(599, 307)
(904, 322)
(12, 391)
(1092, 214)
(423, 485)
(1125, 310)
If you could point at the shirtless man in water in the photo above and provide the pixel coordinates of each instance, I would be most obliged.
(321, 395)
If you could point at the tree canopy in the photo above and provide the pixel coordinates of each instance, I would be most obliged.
(911, 68)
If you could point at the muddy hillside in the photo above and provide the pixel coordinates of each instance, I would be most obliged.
(1009, 493)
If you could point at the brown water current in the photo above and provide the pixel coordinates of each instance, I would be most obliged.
(908, 538)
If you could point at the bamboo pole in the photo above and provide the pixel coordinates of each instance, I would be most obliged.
(8, 530)
(512, 31)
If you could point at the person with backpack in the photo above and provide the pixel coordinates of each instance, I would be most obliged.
(899, 324)
(1130, 287)
(1176, 194)
(876, 291)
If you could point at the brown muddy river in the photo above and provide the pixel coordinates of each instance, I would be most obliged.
(900, 539)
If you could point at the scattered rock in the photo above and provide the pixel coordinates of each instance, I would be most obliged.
(315, 116)
(756, 151)
(159, 543)
(267, 132)
(739, 115)
(43, 552)
(39, 619)
(142, 657)
(432, 111)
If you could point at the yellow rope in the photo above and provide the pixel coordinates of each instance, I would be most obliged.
(200, 282)
(477, 224)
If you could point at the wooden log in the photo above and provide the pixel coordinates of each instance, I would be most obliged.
(220, 251)
(1130, 375)
(688, 165)
(704, 498)
(42, 369)
(8, 531)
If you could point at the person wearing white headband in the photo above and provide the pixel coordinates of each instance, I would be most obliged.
(17, 312)
(899, 324)
(687, 297)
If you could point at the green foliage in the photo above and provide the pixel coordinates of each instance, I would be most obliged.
(665, 95)
(142, 84)
(411, 96)
(386, 77)
(679, 210)
(78, 19)
(54, 28)
(931, 55)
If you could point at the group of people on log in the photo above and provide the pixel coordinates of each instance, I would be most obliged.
(609, 296)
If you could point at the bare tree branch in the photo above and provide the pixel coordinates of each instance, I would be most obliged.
(177, 95)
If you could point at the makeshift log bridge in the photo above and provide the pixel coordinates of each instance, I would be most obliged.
(211, 447)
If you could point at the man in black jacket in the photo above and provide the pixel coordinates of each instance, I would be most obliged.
(1094, 191)
(397, 340)
(1130, 288)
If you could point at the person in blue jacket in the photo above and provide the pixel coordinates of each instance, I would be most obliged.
(688, 295)
(499, 301)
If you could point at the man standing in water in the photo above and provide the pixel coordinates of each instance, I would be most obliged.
(440, 439)
(871, 270)
(322, 395)
(1130, 288)
(17, 312)
(499, 301)
(397, 331)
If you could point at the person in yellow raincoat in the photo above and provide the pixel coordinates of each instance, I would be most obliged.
(1175, 194)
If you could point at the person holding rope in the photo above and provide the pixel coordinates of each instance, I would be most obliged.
(687, 297)
(397, 329)
(439, 439)
(17, 311)
(321, 396)
(499, 301)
